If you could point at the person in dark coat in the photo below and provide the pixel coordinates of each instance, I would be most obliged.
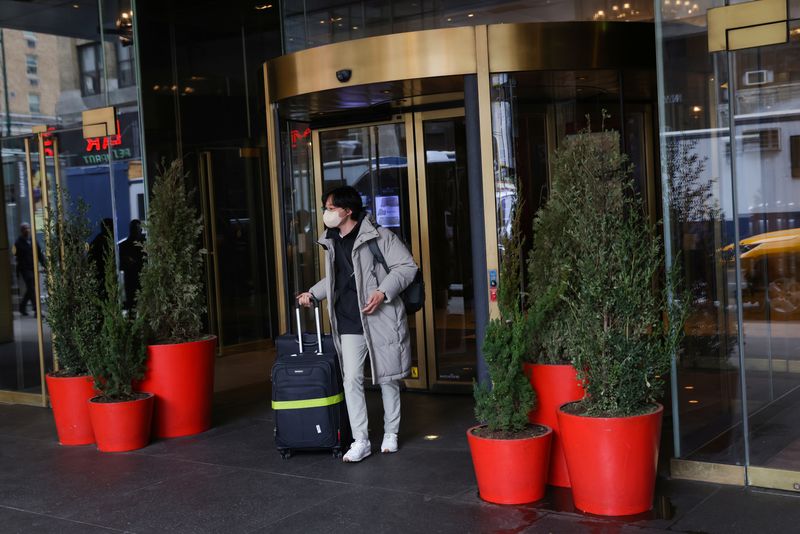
(23, 250)
(131, 257)
(97, 253)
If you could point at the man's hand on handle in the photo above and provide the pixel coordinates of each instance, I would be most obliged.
(305, 299)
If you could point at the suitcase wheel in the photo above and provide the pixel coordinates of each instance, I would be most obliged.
(337, 452)
(285, 453)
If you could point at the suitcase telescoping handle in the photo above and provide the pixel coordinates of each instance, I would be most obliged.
(316, 320)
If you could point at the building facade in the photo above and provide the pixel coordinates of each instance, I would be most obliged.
(443, 114)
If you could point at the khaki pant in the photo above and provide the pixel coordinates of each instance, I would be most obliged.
(354, 352)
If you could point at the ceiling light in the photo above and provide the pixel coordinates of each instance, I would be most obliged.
(431, 437)
(688, 387)
(355, 27)
(76, 6)
(449, 19)
(626, 6)
(694, 401)
(262, 7)
(614, 8)
(471, 15)
(697, 109)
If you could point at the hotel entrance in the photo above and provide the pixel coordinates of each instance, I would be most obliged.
(411, 173)
(441, 132)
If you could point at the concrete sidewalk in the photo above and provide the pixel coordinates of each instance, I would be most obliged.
(230, 479)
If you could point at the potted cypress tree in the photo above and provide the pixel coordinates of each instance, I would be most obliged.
(121, 417)
(74, 318)
(549, 268)
(623, 332)
(180, 358)
(510, 455)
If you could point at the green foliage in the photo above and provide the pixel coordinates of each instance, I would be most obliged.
(121, 354)
(171, 297)
(550, 260)
(504, 405)
(73, 312)
(623, 330)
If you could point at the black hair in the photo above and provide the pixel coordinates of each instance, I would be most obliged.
(345, 197)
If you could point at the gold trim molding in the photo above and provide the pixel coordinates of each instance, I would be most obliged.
(457, 51)
(399, 56)
(733, 475)
(747, 25)
(780, 479)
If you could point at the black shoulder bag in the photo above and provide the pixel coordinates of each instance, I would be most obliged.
(414, 295)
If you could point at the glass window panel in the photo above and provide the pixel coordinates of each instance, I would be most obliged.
(765, 123)
(696, 178)
(34, 103)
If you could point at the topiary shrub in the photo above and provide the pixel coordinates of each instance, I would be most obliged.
(171, 297)
(503, 404)
(624, 329)
(121, 352)
(73, 311)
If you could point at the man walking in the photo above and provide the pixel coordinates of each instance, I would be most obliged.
(367, 315)
(23, 250)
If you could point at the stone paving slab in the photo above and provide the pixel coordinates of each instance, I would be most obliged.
(230, 479)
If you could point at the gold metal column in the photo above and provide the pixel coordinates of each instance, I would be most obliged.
(275, 193)
(35, 252)
(210, 238)
(487, 158)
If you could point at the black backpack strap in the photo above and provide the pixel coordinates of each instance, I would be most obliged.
(377, 255)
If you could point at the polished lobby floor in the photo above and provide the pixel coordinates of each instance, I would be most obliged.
(230, 479)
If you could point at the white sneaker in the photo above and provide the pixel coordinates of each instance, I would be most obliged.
(360, 449)
(389, 443)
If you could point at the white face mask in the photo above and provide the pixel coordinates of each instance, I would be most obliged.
(332, 219)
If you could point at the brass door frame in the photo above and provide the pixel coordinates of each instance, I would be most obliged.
(430, 331)
(204, 161)
(20, 397)
(421, 381)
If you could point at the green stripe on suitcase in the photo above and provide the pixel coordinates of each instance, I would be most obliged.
(307, 403)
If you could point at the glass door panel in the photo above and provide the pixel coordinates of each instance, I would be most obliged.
(233, 211)
(766, 128)
(441, 148)
(377, 160)
(33, 168)
(21, 355)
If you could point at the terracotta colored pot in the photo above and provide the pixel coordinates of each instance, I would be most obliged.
(122, 426)
(554, 385)
(612, 461)
(181, 376)
(68, 397)
(510, 471)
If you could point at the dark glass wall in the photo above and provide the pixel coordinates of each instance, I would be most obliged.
(203, 101)
(310, 23)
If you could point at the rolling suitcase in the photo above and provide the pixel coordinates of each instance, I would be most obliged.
(307, 393)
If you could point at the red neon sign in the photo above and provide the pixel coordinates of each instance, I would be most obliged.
(102, 143)
(296, 136)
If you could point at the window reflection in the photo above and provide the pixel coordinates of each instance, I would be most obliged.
(325, 22)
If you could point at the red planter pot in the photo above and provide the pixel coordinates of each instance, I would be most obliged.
(181, 376)
(612, 461)
(554, 385)
(510, 471)
(122, 426)
(68, 397)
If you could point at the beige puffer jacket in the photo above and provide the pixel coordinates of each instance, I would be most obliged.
(386, 329)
